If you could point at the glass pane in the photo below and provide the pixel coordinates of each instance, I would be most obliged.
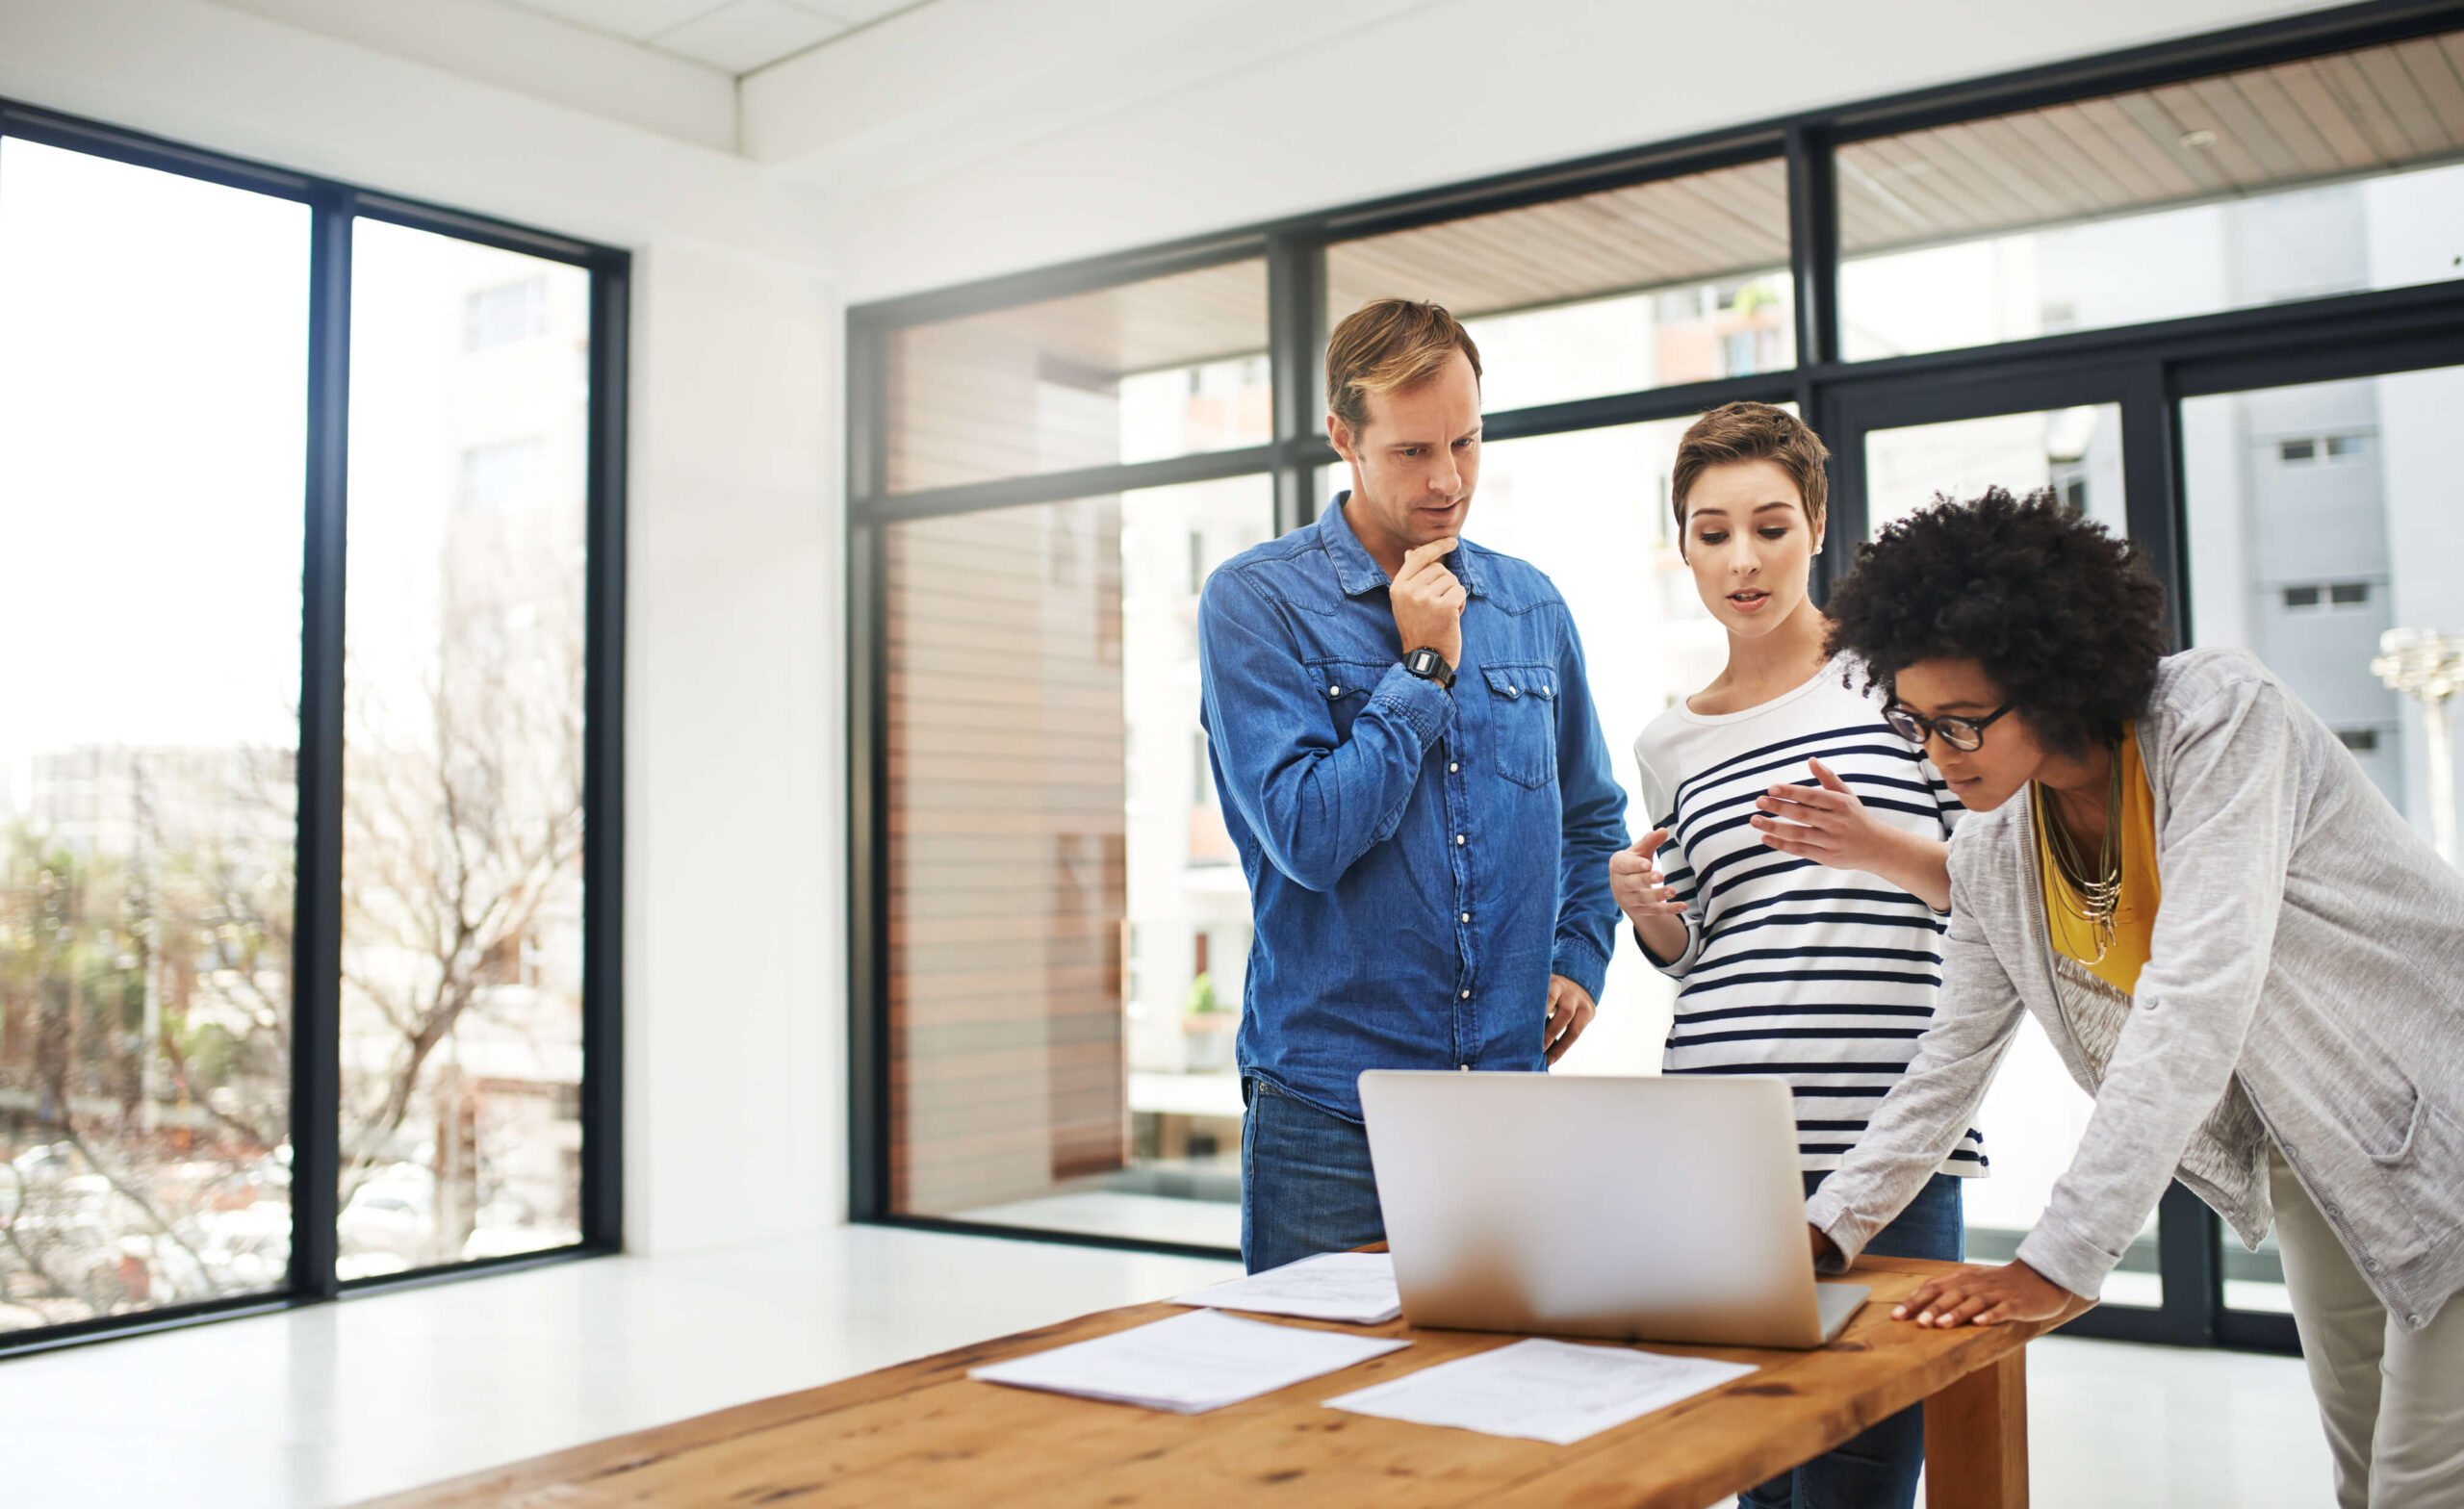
(2033, 1118)
(2327, 175)
(1170, 366)
(1069, 921)
(2320, 517)
(462, 782)
(152, 415)
(1676, 281)
(1591, 509)
(2076, 451)
(2254, 1280)
(2034, 1115)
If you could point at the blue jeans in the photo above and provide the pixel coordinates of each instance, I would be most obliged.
(1878, 1468)
(1306, 1185)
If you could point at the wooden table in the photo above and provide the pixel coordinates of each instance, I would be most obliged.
(925, 1434)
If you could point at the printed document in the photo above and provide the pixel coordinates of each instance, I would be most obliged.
(1358, 1287)
(1549, 1391)
(1189, 1363)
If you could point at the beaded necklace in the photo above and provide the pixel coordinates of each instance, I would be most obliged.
(2091, 896)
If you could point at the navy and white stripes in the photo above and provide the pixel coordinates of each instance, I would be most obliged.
(1823, 977)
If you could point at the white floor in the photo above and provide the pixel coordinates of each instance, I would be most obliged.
(329, 1405)
(1110, 1213)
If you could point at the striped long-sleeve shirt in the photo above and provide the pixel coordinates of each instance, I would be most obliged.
(1822, 977)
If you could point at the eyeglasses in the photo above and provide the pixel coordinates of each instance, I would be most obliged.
(1960, 734)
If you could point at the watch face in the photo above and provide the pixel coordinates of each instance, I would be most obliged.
(1422, 662)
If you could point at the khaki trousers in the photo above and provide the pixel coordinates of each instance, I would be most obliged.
(2391, 1399)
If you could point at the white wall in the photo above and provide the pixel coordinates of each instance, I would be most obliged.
(733, 992)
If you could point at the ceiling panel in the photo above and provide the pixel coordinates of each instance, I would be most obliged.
(746, 35)
(856, 13)
(735, 36)
(633, 19)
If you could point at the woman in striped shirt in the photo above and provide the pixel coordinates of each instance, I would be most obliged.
(1802, 909)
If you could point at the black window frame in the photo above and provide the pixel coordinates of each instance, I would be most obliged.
(316, 1081)
(2146, 368)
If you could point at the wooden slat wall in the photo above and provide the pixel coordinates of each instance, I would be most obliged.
(1697, 228)
(2370, 110)
(1006, 845)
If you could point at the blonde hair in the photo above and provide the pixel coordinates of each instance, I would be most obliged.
(1385, 346)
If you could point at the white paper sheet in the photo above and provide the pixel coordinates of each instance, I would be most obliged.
(1358, 1287)
(1189, 1363)
(1549, 1391)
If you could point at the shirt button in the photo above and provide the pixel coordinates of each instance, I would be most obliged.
(1460, 839)
(1467, 1069)
(1467, 995)
(1514, 691)
(1467, 916)
(1334, 691)
(1451, 767)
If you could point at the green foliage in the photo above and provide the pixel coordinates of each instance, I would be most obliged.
(1201, 1001)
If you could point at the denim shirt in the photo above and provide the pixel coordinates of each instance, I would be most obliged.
(1420, 862)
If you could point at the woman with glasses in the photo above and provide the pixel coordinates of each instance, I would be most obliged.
(2237, 946)
(1801, 909)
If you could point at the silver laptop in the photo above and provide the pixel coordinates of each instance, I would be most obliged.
(1644, 1209)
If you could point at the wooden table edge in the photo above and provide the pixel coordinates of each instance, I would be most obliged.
(1973, 1351)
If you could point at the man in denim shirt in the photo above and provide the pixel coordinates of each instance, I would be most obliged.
(1412, 771)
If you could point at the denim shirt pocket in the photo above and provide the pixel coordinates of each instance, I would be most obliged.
(1347, 686)
(1522, 722)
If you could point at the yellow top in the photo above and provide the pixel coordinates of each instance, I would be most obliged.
(2134, 917)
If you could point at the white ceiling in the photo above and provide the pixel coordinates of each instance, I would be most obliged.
(735, 36)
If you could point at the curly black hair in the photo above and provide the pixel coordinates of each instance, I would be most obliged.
(2065, 618)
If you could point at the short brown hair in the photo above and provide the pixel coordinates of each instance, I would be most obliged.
(1736, 432)
(1386, 346)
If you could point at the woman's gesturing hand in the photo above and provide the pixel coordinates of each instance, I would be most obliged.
(1646, 898)
(1984, 1297)
(1635, 880)
(1828, 824)
(1824, 821)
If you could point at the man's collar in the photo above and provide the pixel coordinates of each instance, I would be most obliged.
(1358, 572)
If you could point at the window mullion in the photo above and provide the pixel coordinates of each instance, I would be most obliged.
(316, 1009)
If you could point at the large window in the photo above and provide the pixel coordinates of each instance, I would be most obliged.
(1675, 280)
(463, 710)
(2317, 176)
(1140, 372)
(2209, 294)
(147, 748)
(293, 979)
(2035, 1114)
(2328, 512)
(1067, 919)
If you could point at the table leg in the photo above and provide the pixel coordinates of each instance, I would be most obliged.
(1976, 1439)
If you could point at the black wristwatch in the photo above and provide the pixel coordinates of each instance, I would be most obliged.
(1430, 666)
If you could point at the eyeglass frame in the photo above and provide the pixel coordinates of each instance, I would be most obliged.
(1926, 728)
